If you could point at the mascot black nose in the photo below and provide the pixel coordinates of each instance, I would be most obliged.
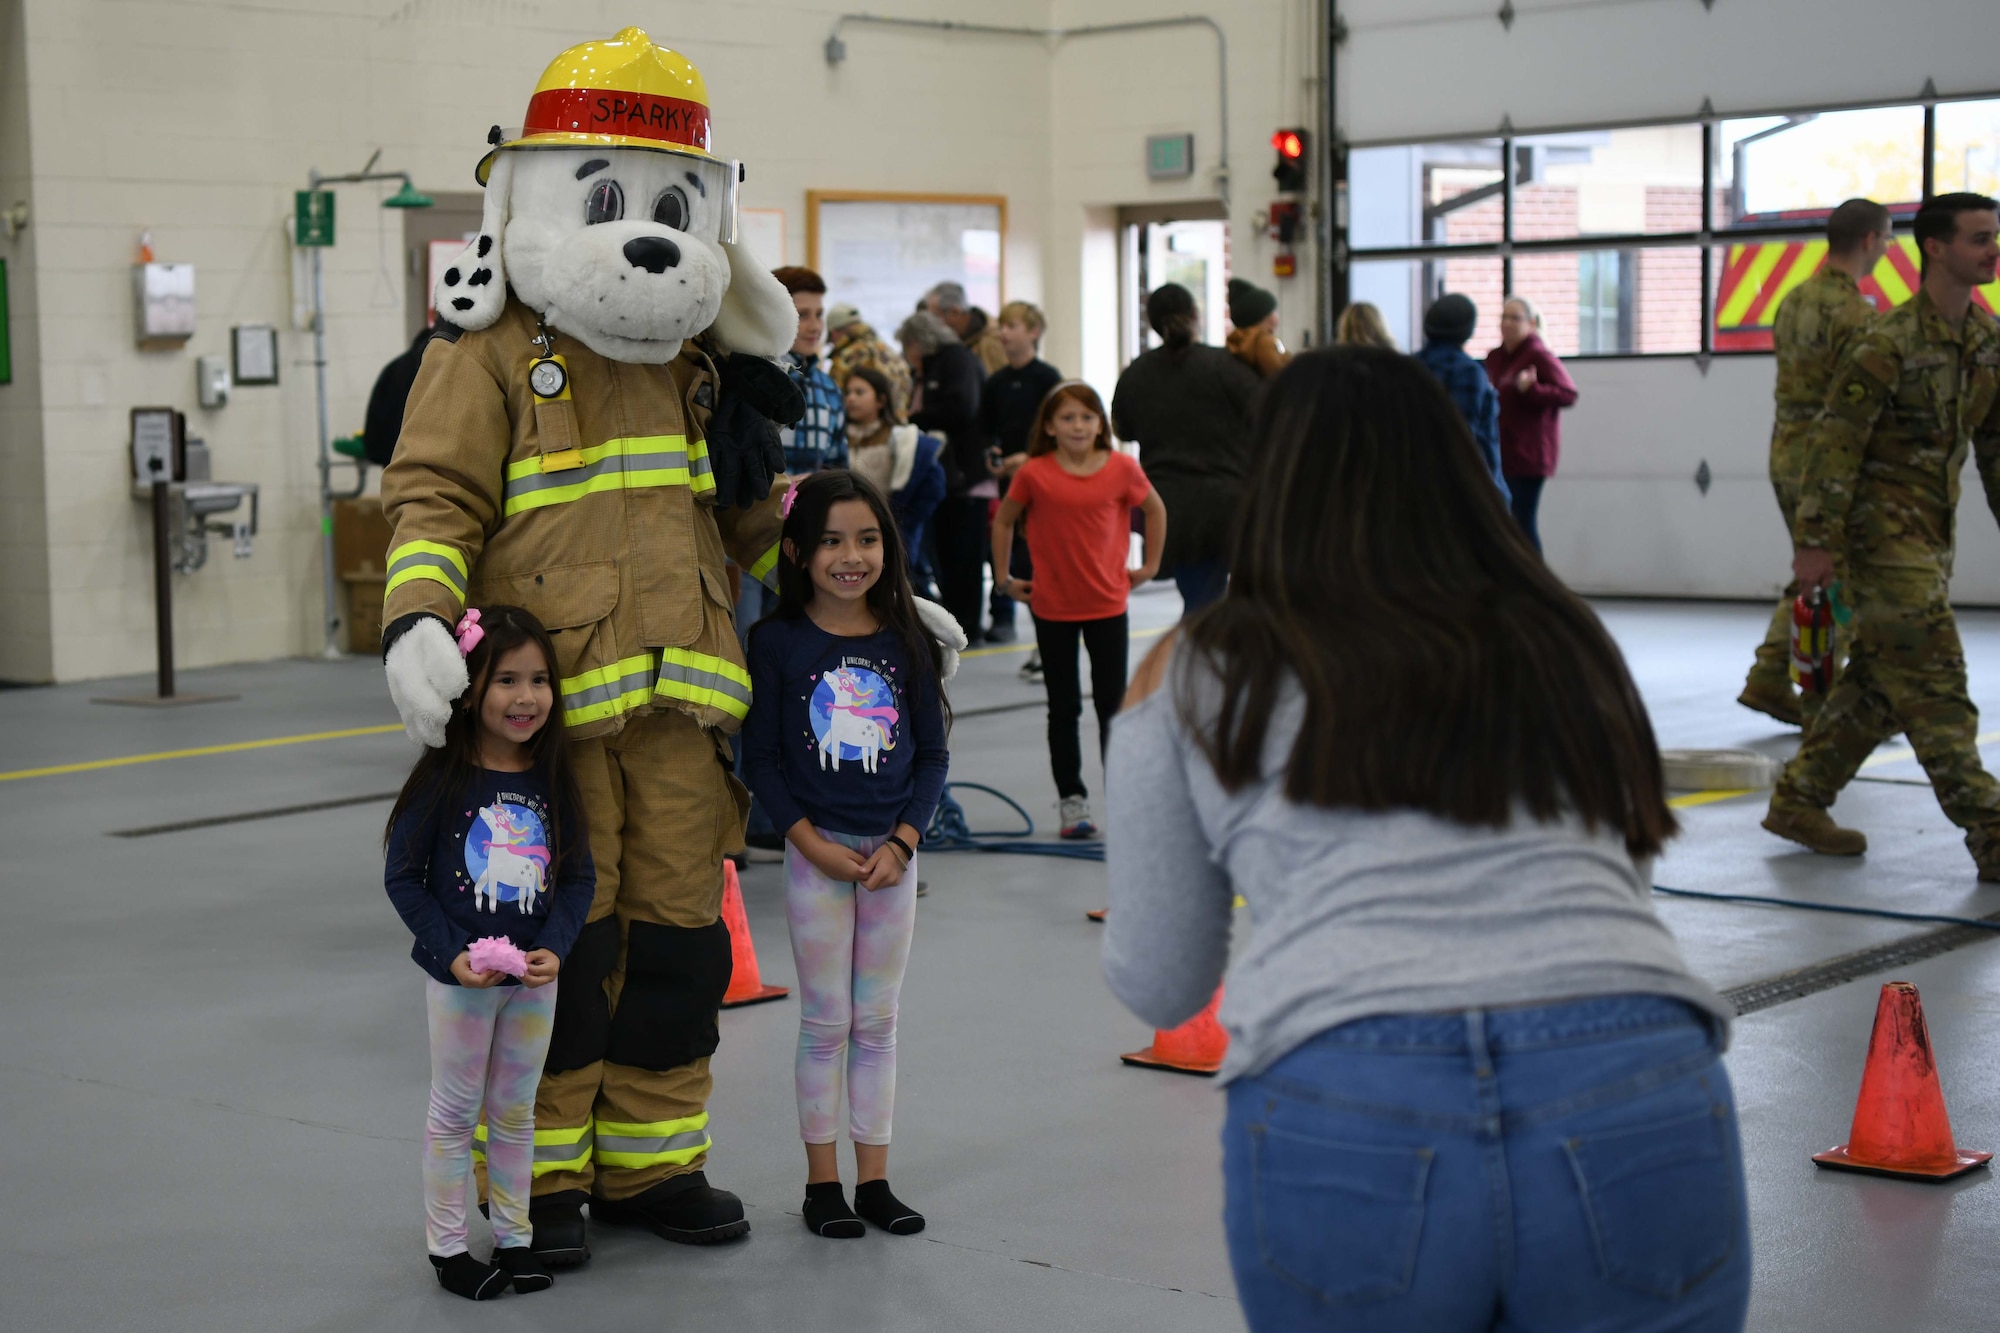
(655, 254)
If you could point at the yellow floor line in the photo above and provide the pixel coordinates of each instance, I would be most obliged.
(1694, 798)
(232, 748)
(1029, 646)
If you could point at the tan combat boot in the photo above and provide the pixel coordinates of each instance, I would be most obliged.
(1773, 698)
(1811, 826)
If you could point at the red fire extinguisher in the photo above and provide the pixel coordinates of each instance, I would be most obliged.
(1812, 642)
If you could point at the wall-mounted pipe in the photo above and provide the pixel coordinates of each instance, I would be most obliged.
(836, 51)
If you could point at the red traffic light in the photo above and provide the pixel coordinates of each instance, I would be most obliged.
(1291, 144)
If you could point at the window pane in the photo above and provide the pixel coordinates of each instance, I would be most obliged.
(1789, 168)
(1402, 289)
(1424, 194)
(1615, 302)
(1968, 147)
(1629, 181)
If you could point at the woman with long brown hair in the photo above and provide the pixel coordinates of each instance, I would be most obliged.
(1468, 1069)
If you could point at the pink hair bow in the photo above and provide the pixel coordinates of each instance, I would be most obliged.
(785, 505)
(468, 632)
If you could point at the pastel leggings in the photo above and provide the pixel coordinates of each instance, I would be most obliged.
(851, 947)
(487, 1048)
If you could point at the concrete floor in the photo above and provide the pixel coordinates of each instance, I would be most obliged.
(213, 1068)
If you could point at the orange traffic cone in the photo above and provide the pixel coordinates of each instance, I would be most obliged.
(1195, 1047)
(746, 984)
(1097, 914)
(1900, 1126)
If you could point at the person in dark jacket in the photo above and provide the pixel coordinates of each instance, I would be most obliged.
(1187, 405)
(1533, 387)
(1447, 325)
(950, 381)
(384, 422)
(1007, 408)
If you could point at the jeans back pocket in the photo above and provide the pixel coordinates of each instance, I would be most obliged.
(1661, 1200)
(1340, 1221)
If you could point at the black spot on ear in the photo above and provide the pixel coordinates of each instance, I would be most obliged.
(485, 244)
(461, 303)
(596, 164)
(480, 279)
(451, 277)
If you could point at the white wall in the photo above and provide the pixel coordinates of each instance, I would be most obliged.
(225, 107)
(1624, 515)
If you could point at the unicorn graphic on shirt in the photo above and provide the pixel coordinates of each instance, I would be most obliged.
(859, 715)
(517, 859)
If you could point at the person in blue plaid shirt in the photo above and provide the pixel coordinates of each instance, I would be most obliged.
(1448, 324)
(819, 440)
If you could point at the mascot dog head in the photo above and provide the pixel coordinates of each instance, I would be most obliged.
(609, 217)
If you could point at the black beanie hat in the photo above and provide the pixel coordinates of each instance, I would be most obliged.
(1249, 303)
(1451, 319)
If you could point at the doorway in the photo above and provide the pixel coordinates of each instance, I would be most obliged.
(1180, 243)
(432, 238)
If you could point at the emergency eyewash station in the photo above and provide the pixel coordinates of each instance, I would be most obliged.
(173, 471)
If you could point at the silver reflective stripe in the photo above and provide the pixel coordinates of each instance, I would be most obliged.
(563, 1152)
(706, 680)
(693, 1138)
(663, 460)
(442, 562)
(637, 679)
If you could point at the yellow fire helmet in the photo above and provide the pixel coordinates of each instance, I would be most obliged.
(621, 92)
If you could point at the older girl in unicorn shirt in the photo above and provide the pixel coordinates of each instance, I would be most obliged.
(845, 747)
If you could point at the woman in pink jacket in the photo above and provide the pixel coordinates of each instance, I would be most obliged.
(1533, 387)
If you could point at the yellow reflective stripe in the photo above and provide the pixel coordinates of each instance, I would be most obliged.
(555, 1149)
(704, 679)
(628, 463)
(597, 453)
(675, 1142)
(608, 690)
(765, 568)
(426, 560)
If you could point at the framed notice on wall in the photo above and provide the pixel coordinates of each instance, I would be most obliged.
(881, 252)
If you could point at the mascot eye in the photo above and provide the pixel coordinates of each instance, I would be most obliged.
(672, 209)
(607, 204)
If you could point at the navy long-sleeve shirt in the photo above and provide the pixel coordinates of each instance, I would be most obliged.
(463, 869)
(848, 733)
(1465, 380)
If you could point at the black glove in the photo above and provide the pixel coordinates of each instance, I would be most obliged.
(745, 451)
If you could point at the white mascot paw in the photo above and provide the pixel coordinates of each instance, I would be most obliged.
(426, 675)
(944, 628)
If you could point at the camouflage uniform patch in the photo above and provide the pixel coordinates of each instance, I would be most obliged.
(1911, 398)
(1815, 323)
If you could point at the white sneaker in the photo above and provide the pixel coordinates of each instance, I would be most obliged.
(1031, 670)
(1074, 816)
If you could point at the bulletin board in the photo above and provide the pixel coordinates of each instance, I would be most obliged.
(880, 252)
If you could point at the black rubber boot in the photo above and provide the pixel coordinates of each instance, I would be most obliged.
(558, 1222)
(685, 1208)
(520, 1263)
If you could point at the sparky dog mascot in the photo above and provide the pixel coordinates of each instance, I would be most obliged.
(590, 437)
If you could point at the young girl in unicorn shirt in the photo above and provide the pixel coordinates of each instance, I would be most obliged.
(845, 747)
(489, 866)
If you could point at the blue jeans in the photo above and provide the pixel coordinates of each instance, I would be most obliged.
(1200, 583)
(1561, 1167)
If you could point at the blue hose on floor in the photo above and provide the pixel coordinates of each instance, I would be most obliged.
(1804, 905)
(951, 831)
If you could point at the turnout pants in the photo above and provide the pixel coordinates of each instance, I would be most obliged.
(623, 1100)
(1907, 674)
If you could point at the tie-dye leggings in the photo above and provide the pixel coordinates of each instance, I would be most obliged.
(851, 947)
(487, 1048)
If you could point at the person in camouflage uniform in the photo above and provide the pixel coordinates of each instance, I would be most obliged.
(1815, 323)
(855, 345)
(1913, 394)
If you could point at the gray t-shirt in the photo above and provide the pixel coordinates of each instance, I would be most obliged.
(1353, 914)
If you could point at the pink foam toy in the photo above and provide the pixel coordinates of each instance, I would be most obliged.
(497, 954)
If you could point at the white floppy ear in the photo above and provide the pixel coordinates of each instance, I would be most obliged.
(757, 314)
(473, 291)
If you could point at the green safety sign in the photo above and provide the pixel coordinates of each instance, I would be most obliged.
(312, 217)
(1169, 156)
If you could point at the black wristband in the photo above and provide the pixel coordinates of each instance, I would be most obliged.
(909, 852)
